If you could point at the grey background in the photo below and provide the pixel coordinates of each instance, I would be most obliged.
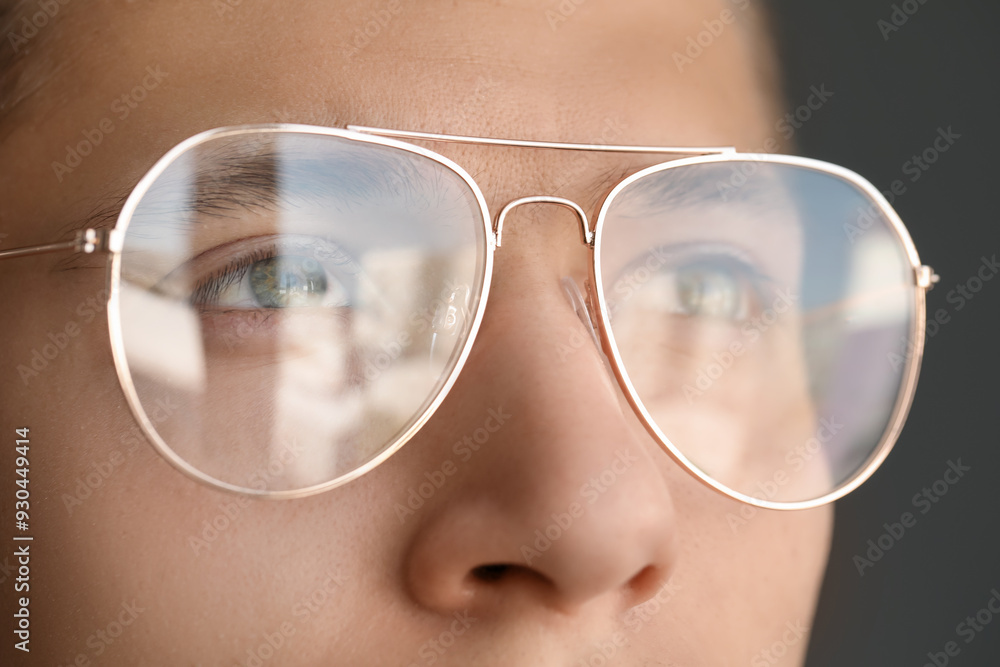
(940, 69)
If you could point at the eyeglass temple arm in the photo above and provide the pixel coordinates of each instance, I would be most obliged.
(87, 241)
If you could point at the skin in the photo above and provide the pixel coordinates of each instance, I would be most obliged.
(655, 569)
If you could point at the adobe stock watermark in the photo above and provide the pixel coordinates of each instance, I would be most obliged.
(611, 131)
(559, 13)
(58, 340)
(968, 629)
(224, 7)
(786, 126)
(591, 491)
(269, 643)
(463, 450)
(924, 500)
(795, 633)
(377, 21)
(458, 114)
(121, 108)
(441, 316)
(915, 168)
(639, 616)
(713, 28)
(231, 511)
(433, 649)
(795, 461)
(900, 14)
(958, 297)
(105, 637)
(751, 331)
(576, 339)
(628, 284)
(795, 119)
(32, 23)
(606, 651)
(88, 483)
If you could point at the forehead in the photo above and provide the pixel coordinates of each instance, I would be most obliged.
(569, 71)
(402, 58)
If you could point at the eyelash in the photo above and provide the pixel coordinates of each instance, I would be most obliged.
(738, 261)
(208, 289)
(687, 253)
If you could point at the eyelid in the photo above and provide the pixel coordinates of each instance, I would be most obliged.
(208, 289)
(762, 284)
(186, 282)
(670, 260)
(672, 256)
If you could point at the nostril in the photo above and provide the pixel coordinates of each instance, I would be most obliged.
(490, 573)
(644, 584)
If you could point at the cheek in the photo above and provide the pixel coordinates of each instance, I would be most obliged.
(124, 527)
(129, 554)
(759, 568)
(744, 417)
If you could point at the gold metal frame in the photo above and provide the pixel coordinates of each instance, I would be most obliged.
(105, 241)
(923, 280)
(114, 312)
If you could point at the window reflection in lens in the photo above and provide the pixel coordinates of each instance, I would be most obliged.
(311, 274)
(725, 322)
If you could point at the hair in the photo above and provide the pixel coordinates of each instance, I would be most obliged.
(8, 55)
(27, 58)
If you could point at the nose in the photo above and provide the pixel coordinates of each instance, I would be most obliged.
(560, 498)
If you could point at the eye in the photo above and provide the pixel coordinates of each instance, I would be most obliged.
(288, 281)
(694, 281)
(712, 289)
(279, 274)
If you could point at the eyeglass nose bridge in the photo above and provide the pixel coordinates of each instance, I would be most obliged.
(586, 235)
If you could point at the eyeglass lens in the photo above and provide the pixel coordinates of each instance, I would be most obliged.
(304, 299)
(758, 309)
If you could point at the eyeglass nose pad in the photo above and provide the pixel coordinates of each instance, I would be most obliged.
(580, 307)
(586, 309)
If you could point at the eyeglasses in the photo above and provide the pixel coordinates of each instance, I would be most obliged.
(304, 298)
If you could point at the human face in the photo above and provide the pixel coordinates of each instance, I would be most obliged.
(139, 563)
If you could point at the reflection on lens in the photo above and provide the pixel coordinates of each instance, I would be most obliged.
(302, 298)
(755, 330)
(283, 282)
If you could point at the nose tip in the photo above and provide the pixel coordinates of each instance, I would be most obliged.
(613, 536)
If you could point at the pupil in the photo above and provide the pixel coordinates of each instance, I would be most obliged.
(287, 281)
(708, 291)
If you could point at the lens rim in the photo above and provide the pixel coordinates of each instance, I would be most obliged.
(114, 302)
(907, 389)
(922, 280)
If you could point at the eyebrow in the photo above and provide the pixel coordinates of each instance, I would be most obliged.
(247, 178)
(235, 181)
(689, 187)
